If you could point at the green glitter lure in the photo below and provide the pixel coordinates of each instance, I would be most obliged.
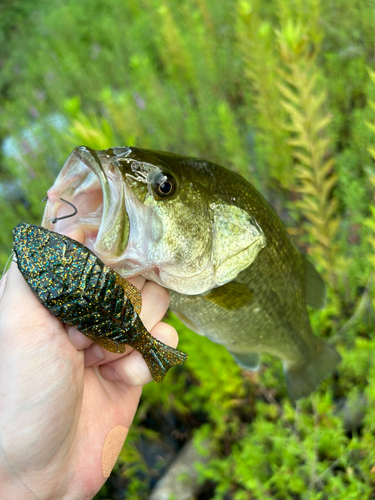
(80, 290)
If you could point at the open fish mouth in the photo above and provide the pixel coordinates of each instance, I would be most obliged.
(118, 227)
(94, 184)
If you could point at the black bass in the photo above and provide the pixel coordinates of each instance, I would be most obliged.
(208, 236)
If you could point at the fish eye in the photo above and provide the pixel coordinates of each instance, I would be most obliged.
(164, 185)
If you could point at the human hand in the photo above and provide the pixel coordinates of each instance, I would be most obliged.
(64, 398)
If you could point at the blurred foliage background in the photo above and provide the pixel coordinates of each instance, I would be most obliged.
(282, 92)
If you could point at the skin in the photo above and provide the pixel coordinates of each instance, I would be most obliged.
(61, 394)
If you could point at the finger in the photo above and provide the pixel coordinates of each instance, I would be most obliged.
(78, 339)
(77, 234)
(155, 302)
(137, 281)
(132, 369)
(95, 355)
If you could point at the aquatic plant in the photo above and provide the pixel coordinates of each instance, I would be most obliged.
(313, 170)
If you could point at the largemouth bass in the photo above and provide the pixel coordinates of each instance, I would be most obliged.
(207, 235)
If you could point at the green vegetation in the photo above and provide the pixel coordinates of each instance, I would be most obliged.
(283, 92)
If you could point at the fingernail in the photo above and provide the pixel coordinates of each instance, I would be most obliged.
(76, 338)
(97, 352)
(109, 373)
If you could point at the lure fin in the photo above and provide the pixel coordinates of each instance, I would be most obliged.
(134, 295)
(230, 296)
(160, 358)
(247, 360)
(107, 344)
(315, 286)
(301, 380)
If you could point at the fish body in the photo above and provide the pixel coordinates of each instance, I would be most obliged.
(76, 287)
(207, 235)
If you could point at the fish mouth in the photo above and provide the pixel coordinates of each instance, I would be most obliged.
(94, 185)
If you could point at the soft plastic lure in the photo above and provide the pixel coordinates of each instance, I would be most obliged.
(76, 287)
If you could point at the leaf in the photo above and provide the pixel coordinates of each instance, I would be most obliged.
(299, 143)
(317, 220)
(321, 124)
(321, 238)
(307, 90)
(304, 173)
(331, 209)
(308, 188)
(325, 169)
(302, 158)
(286, 76)
(294, 114)
(371, 74)
(370, 223)
(289, 94)
(333, 227)
(321, 146)
(371, 240)
(317, 101)
(308, 205)
(370, 125)
(328, 186)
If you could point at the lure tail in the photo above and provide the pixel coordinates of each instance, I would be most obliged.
(160, 358)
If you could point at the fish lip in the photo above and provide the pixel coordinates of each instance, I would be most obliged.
(68, 186)
(91, 159)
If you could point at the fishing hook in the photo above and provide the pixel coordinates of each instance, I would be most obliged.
(55, 219)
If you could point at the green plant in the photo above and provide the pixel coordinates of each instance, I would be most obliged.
(304, 103)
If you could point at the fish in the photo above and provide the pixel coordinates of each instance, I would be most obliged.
(77, 288)
(207, 235)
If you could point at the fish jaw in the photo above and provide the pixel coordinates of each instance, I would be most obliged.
(93, 183)
(97, 193)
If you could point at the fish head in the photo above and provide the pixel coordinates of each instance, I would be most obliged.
(170, 218)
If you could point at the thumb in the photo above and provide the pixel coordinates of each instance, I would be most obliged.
(17, 298)
(26, 326)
